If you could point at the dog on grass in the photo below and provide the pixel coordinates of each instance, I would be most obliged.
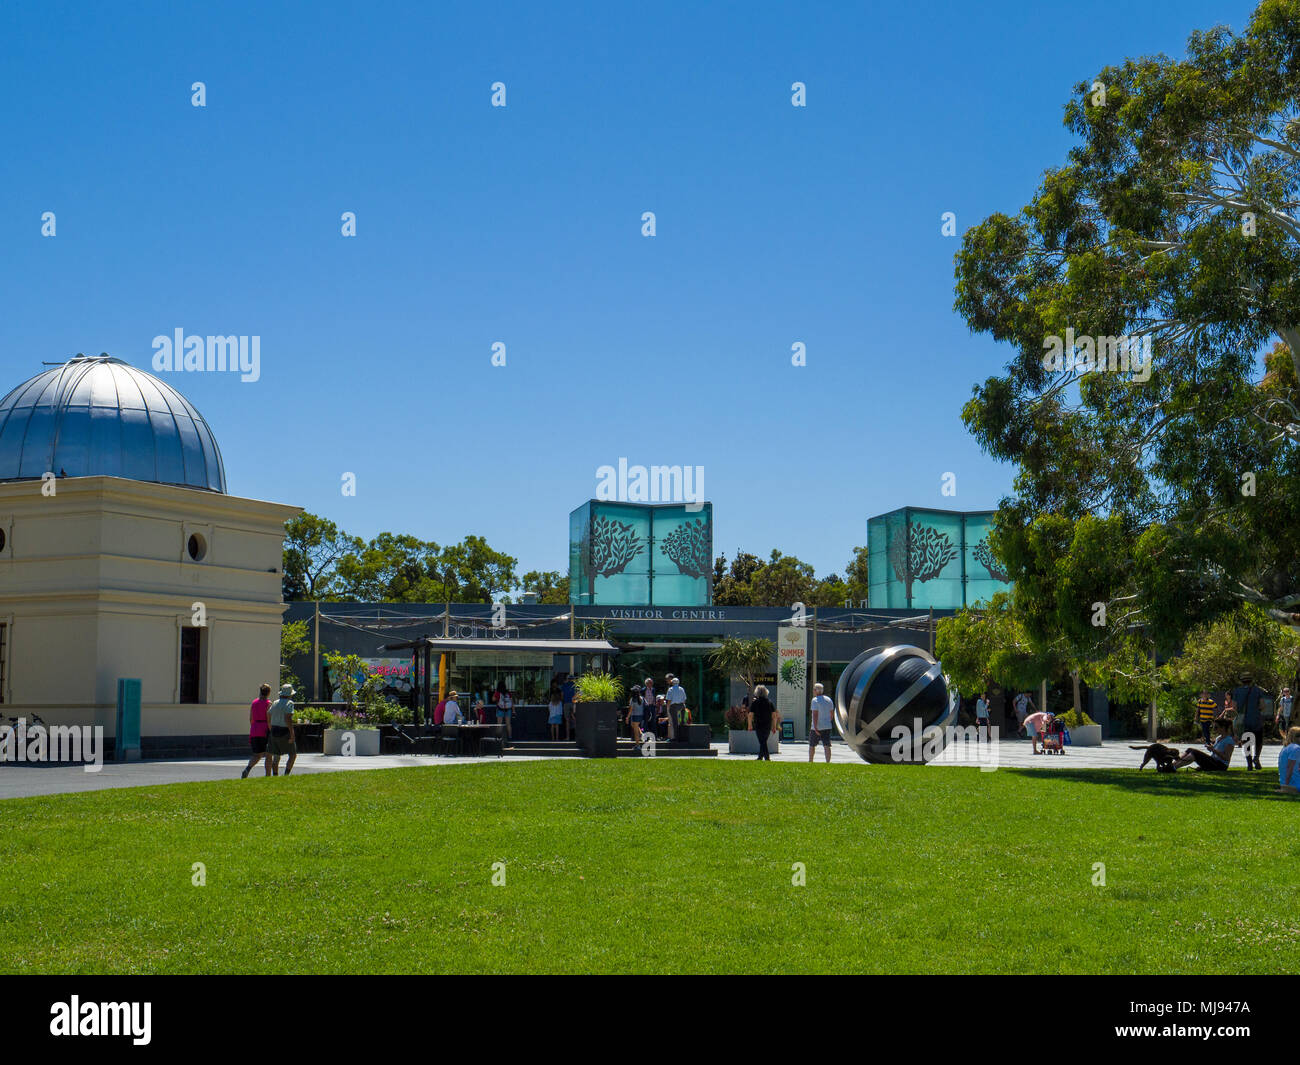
(1164, 757)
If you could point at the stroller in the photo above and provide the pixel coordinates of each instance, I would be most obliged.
(1054, 737)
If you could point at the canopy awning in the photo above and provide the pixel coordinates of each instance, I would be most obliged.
(558, 647)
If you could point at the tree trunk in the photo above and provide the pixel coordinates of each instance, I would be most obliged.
(1074, 677)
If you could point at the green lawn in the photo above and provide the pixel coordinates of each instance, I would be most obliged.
(658, 866)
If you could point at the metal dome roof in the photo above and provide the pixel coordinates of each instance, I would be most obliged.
(97, 415)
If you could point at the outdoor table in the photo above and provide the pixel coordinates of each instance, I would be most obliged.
(472, 735)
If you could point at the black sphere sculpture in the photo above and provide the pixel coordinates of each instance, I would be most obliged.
(889, 688)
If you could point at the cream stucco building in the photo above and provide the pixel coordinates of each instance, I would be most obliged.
(122, 555)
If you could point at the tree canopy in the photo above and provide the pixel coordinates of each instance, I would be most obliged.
(1138, 292)
(323, 562)
(784, 580)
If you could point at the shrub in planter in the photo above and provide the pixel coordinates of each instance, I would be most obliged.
(597, 687)
(1084, 731)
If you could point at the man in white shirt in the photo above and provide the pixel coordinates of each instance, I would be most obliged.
(1024, 706)
(452, 714)
(676, 704)
(823, 723)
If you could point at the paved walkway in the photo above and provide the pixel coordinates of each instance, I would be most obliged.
(21, 780)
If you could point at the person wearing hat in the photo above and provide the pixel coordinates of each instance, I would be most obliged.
(452, 715)
(282, 740)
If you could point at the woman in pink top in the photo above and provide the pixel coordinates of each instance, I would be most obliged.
(257, 730)
(1036, 725)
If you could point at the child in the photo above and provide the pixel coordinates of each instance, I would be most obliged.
(555, 715)
(1288, 764)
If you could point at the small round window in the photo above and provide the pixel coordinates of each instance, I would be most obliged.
(197, 547)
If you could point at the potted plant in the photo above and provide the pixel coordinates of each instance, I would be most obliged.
(352, 730)
(1084, 731)
(599, 698)
(744, 660)
(741, 739)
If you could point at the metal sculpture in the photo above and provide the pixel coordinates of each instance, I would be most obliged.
(893, 704)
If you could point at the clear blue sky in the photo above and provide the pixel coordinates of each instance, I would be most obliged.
(523, 225)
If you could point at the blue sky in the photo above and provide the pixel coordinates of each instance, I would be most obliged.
(522, 225)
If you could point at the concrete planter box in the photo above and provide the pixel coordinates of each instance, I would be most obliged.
(1086, 736)
(743, 741)
(365, 743)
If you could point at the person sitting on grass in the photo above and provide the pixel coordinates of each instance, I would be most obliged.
(1220, 754)
(1036, 727)
(1288, 764)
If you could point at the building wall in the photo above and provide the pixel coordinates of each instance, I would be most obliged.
(96, 584)
(921, 558)
(636, 554)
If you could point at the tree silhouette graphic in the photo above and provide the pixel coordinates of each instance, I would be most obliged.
(985, 558)
(688, 546)
(920, 556)
(608, 548)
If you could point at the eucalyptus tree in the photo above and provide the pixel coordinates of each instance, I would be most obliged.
(1138, 291)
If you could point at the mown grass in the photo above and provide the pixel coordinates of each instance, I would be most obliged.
(634, 866)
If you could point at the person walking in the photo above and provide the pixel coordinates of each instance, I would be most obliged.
(258, 727)
(1205, 707)
(762, 716)
(635, 714)
(823, 723)
(676, 704)
(282, 741)
(1024, 706)
(1248, 698)
(982, 717)
(1282, 716)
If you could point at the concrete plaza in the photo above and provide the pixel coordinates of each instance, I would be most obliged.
(25, 780)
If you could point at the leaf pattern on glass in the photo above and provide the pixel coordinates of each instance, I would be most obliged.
(920, 557)
(688, 546)
(985, 558)
(612, 546)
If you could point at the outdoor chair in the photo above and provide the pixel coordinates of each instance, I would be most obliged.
(450, 744)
